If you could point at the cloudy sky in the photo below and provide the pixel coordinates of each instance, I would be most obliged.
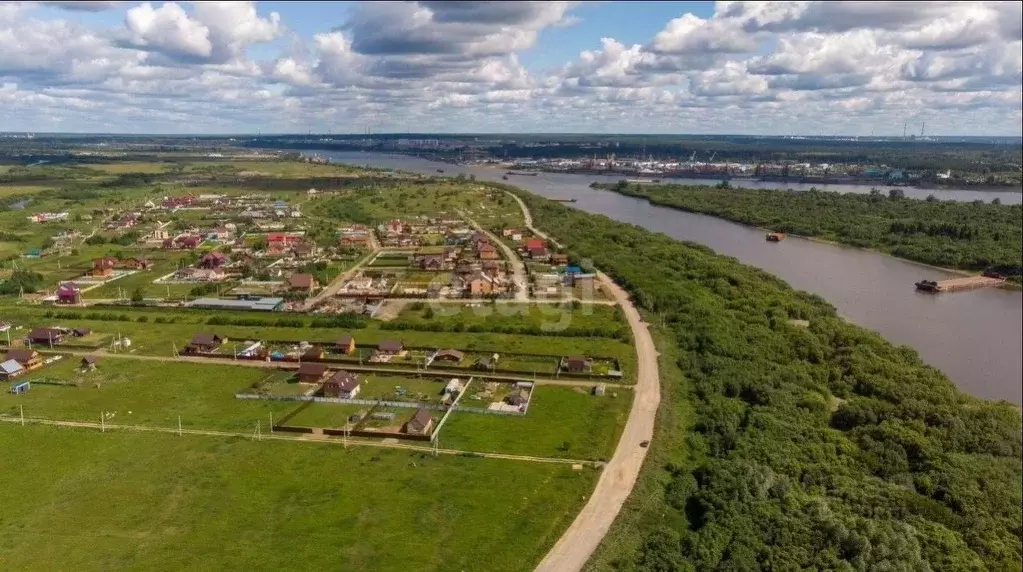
(654, 67)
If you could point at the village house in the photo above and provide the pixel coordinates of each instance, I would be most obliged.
(390, 347)
(221, 233)
(491, 268)
(88, 363)
(342, 384)
(480, 285)
(346, 345)
(213, 260)
(313, 353)
(186, 242)
(573, 279)
(558, 259)
(137, 264)
(309, 372)
(205, 343)
(10, 369)
(420, 424)
(395, 226)
(45, 336)
(304, 250)
(487, 251)
(29, 359)
(454, 356)
(69, 293)
(512, 233)
(282, 239)
(577, 364)
(103, 267)
(431, 262)
(354, 238)
(538, 253)
(301, 283)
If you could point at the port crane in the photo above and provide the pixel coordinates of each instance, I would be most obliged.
(712, 155)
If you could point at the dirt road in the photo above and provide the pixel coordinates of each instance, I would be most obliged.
(335, 284)
(518, 267)
(578, 543)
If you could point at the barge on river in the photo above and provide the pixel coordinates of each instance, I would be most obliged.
(958, 284)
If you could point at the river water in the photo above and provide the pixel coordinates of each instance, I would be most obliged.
(976, 338)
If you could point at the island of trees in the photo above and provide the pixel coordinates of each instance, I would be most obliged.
(789, 439)
(974, 236)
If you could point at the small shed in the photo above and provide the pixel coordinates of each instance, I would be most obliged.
(88, 363)
(310, 372)
(390, 347)
(420, 424)
(11, 369)
(346, 345)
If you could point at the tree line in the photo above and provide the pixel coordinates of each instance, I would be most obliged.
(801, 447)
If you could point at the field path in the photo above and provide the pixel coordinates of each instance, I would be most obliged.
(518, 266)
(305, 439)
(615, 484)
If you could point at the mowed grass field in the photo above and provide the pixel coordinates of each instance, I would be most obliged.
(557, 416)
(151, 394)
(83, 500)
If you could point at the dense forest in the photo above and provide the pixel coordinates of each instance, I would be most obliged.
(969, 236)
(816, 446)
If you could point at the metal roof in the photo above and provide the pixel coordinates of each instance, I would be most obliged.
(11, 366)
(264, 304)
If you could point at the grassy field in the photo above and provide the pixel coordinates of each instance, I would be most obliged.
(329, 415)
(557, 416)
(163, 263)
(147, 394)
(131, 167)
(546, 318)
(161, 502)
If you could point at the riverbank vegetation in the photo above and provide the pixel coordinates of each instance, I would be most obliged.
(811, 443)
(970, 236)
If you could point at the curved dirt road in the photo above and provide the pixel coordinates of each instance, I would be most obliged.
(578, 543)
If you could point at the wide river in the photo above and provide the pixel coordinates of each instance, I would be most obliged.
(976, 337)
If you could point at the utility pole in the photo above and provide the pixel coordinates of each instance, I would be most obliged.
(21, 409)
(103, 421)
(179, 426)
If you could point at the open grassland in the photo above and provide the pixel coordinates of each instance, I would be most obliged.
(275, 168)
(161, 502)
(561, 422)
(406, 199)
(148, 167)
(22, 189)
(541, 319)
(148, 394)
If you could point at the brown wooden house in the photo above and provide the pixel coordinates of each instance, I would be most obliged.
(310, 372)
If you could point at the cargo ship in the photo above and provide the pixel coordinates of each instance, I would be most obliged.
(775, 236)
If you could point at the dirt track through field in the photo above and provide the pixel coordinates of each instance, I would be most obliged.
(580, 541)
(306, 439)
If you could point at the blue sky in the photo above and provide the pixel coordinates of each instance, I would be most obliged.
(657, 67)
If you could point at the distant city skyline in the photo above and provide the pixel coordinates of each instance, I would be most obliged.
(744, 68)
